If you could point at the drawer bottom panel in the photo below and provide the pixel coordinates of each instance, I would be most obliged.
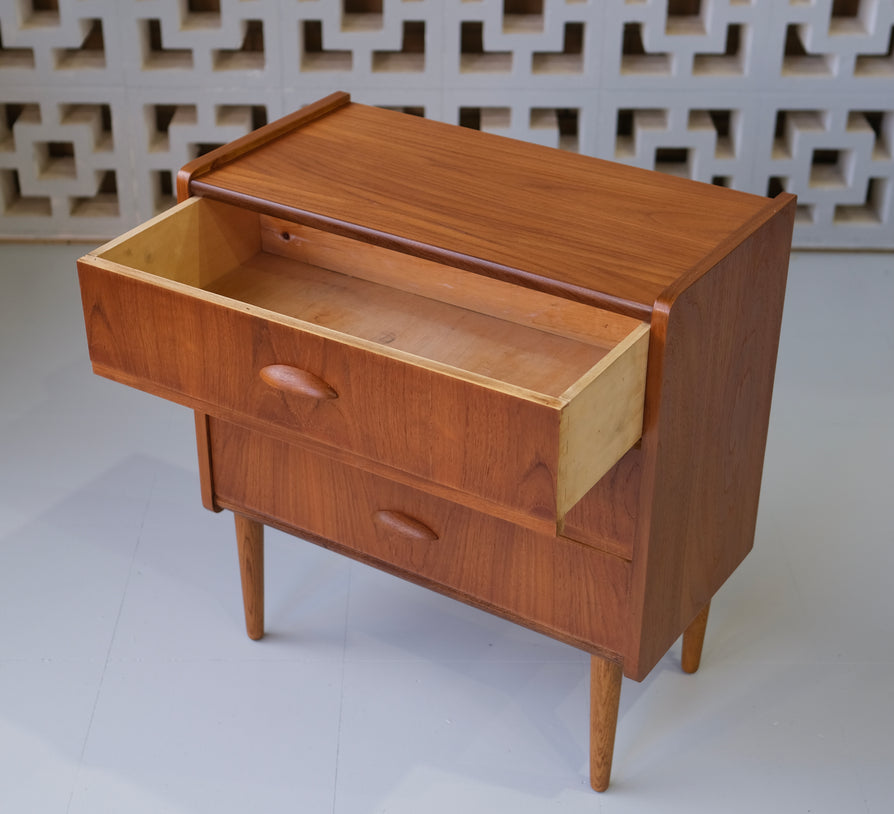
(552, 584)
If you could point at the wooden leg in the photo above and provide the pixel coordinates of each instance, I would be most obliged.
(605, 694)
(250, 540)
(693, 639)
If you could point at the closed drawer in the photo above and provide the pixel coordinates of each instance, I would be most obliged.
(508, 396)
(560, 587)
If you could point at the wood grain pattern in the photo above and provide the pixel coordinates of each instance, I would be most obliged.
(607, 516)
(258, 138)
(415, 275)
(694, 640)
(192, 243)
(577, 224)
(605, 696)
(433, 331)
(436, 427)
(294, 381)
(203, 449)
(480, 404)
(250, 545)
(570, 591)
(404, 526)
(613, 392)
(704, 435)
(356, 385)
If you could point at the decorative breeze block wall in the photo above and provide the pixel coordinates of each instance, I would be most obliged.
(102, 102)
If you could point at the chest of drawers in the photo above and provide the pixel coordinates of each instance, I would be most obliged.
(536, 382)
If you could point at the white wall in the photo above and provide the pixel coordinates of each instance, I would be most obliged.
(102, 102)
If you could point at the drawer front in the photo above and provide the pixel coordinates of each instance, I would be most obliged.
(225, 361)
(555, 585)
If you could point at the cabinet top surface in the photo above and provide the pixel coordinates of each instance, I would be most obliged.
(590, 229)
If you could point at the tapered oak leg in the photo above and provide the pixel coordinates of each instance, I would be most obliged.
(605, 693)
(693, 639)
(250, 540)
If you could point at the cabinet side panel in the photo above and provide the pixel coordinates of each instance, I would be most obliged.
(712, 365)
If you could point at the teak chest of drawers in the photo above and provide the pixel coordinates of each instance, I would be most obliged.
(537, 382)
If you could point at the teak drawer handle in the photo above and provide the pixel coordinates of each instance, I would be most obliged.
(295, 380)
(404, 525)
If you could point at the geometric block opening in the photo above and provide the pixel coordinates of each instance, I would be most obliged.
(248, 117)
(684, 8)
(14, 203)
(871, 212)
(775, 185)
(625, 145)
(796, 60)
(361, 15)
(90, 53)
(160, 118)
(40, 12)
(673, 161)
(846, 18)
(829, 168)
(731, 61)
(362, 7)
(846, 8)
(788, 123)
(721, 121)
(249, 56)
(314, 57)
(411, 56)
(630, 122)
(882, 125)
(15, 58)
(684, 17)
(569, 60)
(104, 204)
(55, 159)
(201, 148)
(804, 214)
(411, 110)
(10, 114)
(162, 186)
(722, 181)
(202, 14)
(472, 56)
(155, 55)
(634, 57)
(470, 117)
(877, 64)
(563, 119)
(522, 16)
(97, 118)
(485, 118)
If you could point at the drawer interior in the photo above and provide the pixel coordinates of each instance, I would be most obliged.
(472, 324)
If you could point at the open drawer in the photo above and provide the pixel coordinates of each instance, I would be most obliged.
(504, 397)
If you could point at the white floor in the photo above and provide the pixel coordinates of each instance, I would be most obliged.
(127, 684)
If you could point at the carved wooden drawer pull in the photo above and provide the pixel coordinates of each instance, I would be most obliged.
(404, 525)
(297, 381)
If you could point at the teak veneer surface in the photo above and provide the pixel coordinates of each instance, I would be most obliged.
(551, 584)
(490, 435)
(590, 230)
(192, 307)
